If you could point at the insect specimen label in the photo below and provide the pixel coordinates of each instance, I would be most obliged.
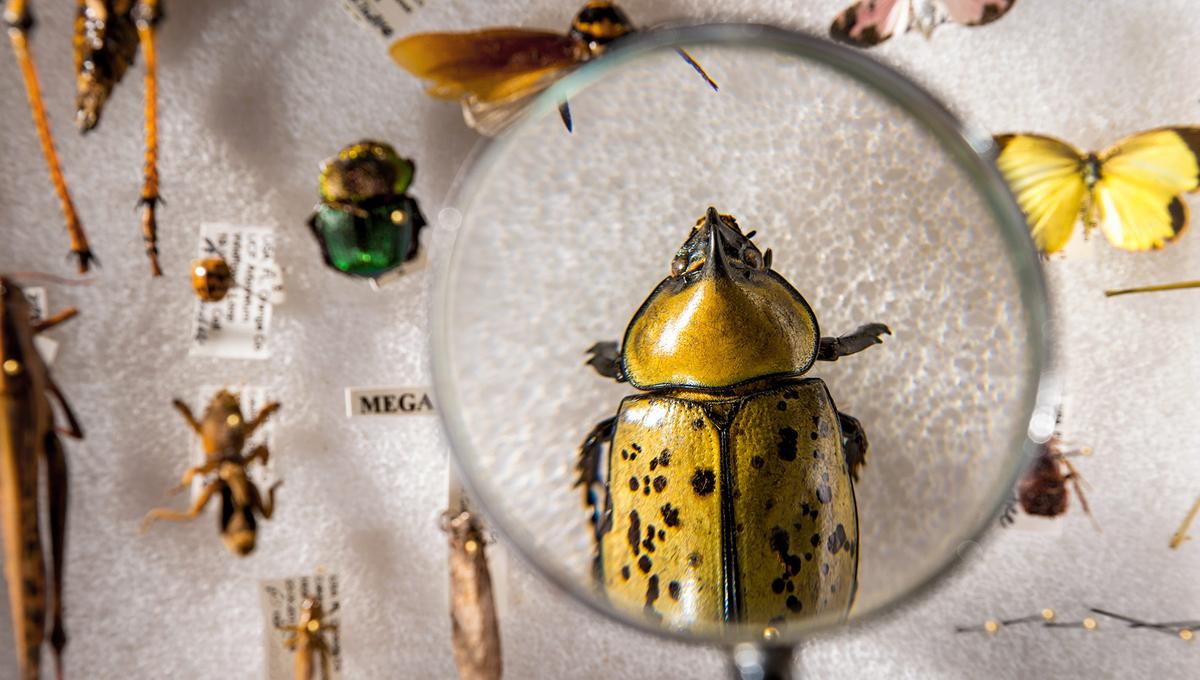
(285, 602)
(38, 304)
(238, 326)
(384, 18)
(363, 402)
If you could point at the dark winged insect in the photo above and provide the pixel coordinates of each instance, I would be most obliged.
(307, 640)
(476, 631)
(223, 430)
(29, 440)
(727, 491)
(495, 72)
(1043, 489)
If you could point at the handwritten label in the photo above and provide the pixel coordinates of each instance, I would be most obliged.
(253, 398)
(238, 327)
(281, 602)
(47, 348)
(365, 402)
(384, 18)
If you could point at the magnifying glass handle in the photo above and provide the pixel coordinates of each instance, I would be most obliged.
(753, 662)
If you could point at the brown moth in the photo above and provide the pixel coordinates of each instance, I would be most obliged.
(476, 631)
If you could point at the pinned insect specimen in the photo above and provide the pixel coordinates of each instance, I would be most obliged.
(1043, 489)
(869, 22)
(1131, 190)
(472, 605)
(20, 23)
(495, 72)
(366, 224)
(308, 640)
(29, 440)
(224, 431)
(728, 494)
(211, 278)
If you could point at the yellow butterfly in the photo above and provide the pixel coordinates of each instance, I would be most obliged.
(1130, 190)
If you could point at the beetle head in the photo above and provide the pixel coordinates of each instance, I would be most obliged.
(599, 23)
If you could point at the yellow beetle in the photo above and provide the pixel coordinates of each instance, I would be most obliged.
(727, 492)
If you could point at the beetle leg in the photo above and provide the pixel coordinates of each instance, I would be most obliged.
(830, 349)
(606, 359)
(266, 509)
(187, 415)
(259, 453)
(588, 465)
(56, 476)
(854, 443)
(258, 420)
(177, 516)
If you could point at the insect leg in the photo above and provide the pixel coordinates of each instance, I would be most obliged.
(854, 443)
(606, 359)
(146, 16)
(177, 516)
(186, 481)
(51, 322)
(263, 413)
(187, 415)
(20, 22)
(1076, 478)
(830, 349)
(259, 453)
(73, 427)
(588, 465)
(266, 509)
(56, 477)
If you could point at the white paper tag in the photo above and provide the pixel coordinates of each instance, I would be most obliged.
(370, 402)
(253, 398)
(238, 327)
(47, 348)
(384, 18)
(281, 602)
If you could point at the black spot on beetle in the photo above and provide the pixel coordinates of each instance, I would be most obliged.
(815, 540)
(633, 485)
(837, 539)
(791, 587)
(740, 527)
(651, 591)
(646, 485)
(670, 515)
(782, 406)
(635, 531)
(804, 508)
(635, 447)
(825, 569)
(662, 535)
(793, 564)
(653, 463)
(756, 462)
(645, 564)
(777, 586)
(770, 503)
(664, 458)
(660, 483)
(625, 572)
(787, 444)
(695, 559)
(825, 476)
(704, 481)
(648, 544)
(833, 587)
(824, 494)
(673, 590)
(794, 604)
(624, 454)
(698, 423)
(779, 541)
(812, 436)
(808, 557)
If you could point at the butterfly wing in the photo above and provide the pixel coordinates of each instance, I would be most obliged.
(1136, 199)
(493, 65)
(1046, 176)
(869, 22)
(976, 12)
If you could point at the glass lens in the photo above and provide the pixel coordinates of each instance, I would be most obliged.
(730, 511)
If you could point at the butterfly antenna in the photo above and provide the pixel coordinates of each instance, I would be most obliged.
(699, 69)
(1153, 289)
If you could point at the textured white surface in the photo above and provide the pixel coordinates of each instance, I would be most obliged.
(254, 94)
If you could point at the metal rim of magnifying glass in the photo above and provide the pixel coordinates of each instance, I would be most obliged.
(972, 150)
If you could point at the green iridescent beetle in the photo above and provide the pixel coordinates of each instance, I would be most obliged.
(724, 492)
(366, 225)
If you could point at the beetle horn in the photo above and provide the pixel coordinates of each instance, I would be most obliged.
(715, 257)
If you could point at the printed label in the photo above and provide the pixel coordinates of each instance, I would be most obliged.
(384, 18)
(47, 347)
(282, 601)
(238, 326)
(253, 398)
(365, 402)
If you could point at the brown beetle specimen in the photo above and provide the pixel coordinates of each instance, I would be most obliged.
(211, 278)
(308, 641)
(1043, 490)
(224, 431)
(27, 439)
(476, 632)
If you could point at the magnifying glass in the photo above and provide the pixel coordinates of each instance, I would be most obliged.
(729, 259)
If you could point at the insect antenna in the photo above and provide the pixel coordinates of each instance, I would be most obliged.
(699, 69)
(1181, 533)
(1153, 289)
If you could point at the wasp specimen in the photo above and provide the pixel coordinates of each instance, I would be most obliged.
(495, 72)
(28, 439)
(472, 605)
(107, 36)
(308, 640)
(224, 431)
(1043, 490)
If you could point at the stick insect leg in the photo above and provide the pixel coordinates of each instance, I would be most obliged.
(73, 428)
(50, 322)
(177, 516)
(187, 415)
(146, 15)
(854, 443)
(830, 349)
(56, 477)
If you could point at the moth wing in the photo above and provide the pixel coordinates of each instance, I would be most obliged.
(491, 117)
(493, 65)
(976, 12)
(1137, 198)
(869, 22)
(1046, 176)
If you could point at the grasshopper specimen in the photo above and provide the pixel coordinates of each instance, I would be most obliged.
(476, 632)
(28, 438)
(224, 431)
(107, 36)
(308, 640)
